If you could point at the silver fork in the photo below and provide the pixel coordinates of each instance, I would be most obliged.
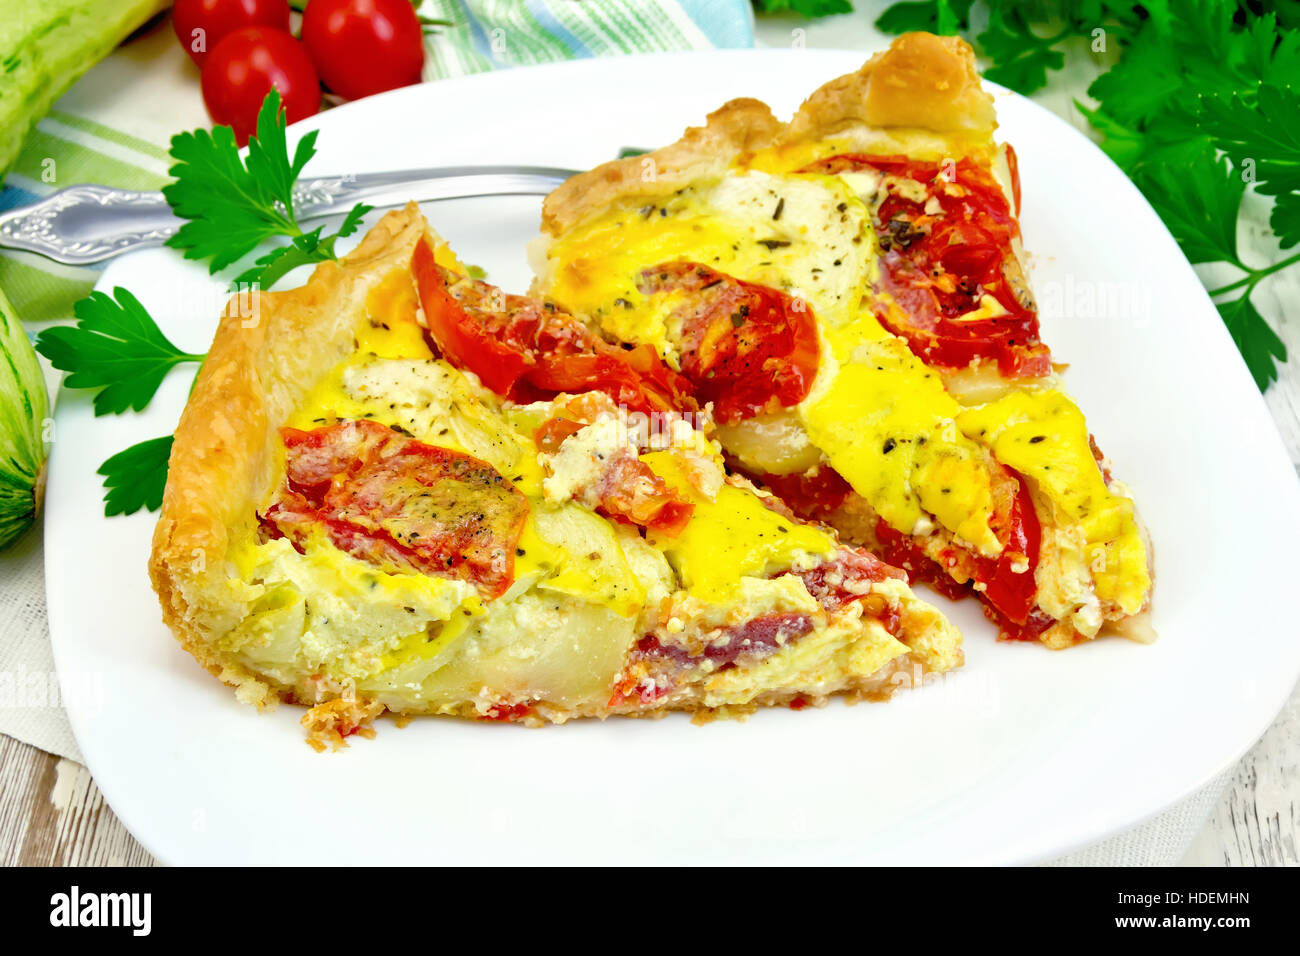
(88, 223)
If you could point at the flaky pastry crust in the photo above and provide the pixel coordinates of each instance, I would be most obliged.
(922, 95)
(227, 458)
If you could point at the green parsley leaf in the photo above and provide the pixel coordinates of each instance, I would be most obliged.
(1257, 129)
(1285, 219)
(1259, 344)
(809, 9)
(135, 478)
(310, 247)
(937, 16)
(1021, 57)
(1142, 83)
(1122, 144)
(1286, 11)
(1198, 195)
(234, 204)
(115, 347)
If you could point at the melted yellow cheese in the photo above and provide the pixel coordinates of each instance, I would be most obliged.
(327, 402)
(732, 536)
(788, 157)
(818, 248)
(878, 415)
(390, 329)
(1043, 435)
(888, 429)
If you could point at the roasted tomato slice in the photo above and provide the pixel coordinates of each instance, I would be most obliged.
(1009, 590)
(1007, 580)
(624, 487)
(550, 435)
(636, 379)
(396, 501)
(746, 348)
(947, 255)
(812, 494)
(1031, 629)
(628, 490)
(473, 344)
(846, 576)
(526, 350)
(753, 639)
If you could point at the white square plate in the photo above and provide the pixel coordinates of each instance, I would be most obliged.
(1022, 755)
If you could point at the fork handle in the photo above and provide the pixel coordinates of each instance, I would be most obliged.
(88, 223)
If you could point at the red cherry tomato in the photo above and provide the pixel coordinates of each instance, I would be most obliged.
(363, 47)
(201, 24)
(745, 346)
(242, 70)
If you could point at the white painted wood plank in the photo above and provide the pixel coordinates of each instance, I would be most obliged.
(52, 814)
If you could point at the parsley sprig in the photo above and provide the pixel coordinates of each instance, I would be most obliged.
(135, 478)
(804, 8)
(115, 347)
(231, 205)
(234, 204)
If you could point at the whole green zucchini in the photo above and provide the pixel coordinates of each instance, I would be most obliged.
(24, 425)
(45, 45)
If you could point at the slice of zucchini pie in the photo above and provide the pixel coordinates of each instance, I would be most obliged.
(354, 523)
(848, 293)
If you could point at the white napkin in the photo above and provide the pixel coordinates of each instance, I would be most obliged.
(1162, 841)
(30, 698)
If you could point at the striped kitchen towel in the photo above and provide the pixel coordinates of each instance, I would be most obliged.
(491, 34)
(114, 125)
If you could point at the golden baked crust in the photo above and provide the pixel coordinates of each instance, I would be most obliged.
(922, 80)
(918, 96)
(227, 457)
(741, 126)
